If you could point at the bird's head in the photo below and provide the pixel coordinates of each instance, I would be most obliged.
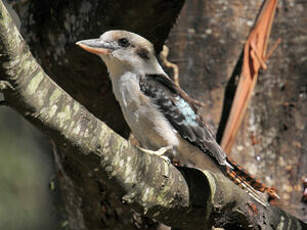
(123, 51)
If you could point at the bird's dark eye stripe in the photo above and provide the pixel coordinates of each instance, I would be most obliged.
(123, 42)
(143, 53)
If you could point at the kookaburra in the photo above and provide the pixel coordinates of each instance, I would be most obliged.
(159, 114)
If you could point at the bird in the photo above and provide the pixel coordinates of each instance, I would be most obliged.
(161, 116)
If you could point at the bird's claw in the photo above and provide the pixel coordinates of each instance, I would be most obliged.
(160, 152)
(166, 159)
(5, 85)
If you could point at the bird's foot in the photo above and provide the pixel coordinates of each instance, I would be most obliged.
(160, 152)
(5, 85)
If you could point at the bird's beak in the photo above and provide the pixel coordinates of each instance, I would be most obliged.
(96, 46)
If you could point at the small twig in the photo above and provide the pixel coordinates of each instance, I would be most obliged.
(163, 55)
(272, 49)
(197, 102)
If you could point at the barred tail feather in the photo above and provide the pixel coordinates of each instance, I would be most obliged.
(247, 187)
(243, 178)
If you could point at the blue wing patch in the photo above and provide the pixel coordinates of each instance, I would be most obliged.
(181, 114)
(190, 117)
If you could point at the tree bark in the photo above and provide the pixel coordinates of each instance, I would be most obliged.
(98, 180)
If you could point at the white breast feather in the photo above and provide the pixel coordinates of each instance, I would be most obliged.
(139, 114)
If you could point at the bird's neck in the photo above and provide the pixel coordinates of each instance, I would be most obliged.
(126, 88)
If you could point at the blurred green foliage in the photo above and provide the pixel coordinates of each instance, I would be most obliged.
(26, 168)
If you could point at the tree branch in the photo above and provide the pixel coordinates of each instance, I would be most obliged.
(184, 198)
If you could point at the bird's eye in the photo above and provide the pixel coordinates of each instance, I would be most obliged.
(123, 42)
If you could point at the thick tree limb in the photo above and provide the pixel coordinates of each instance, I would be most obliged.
(186, 198)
